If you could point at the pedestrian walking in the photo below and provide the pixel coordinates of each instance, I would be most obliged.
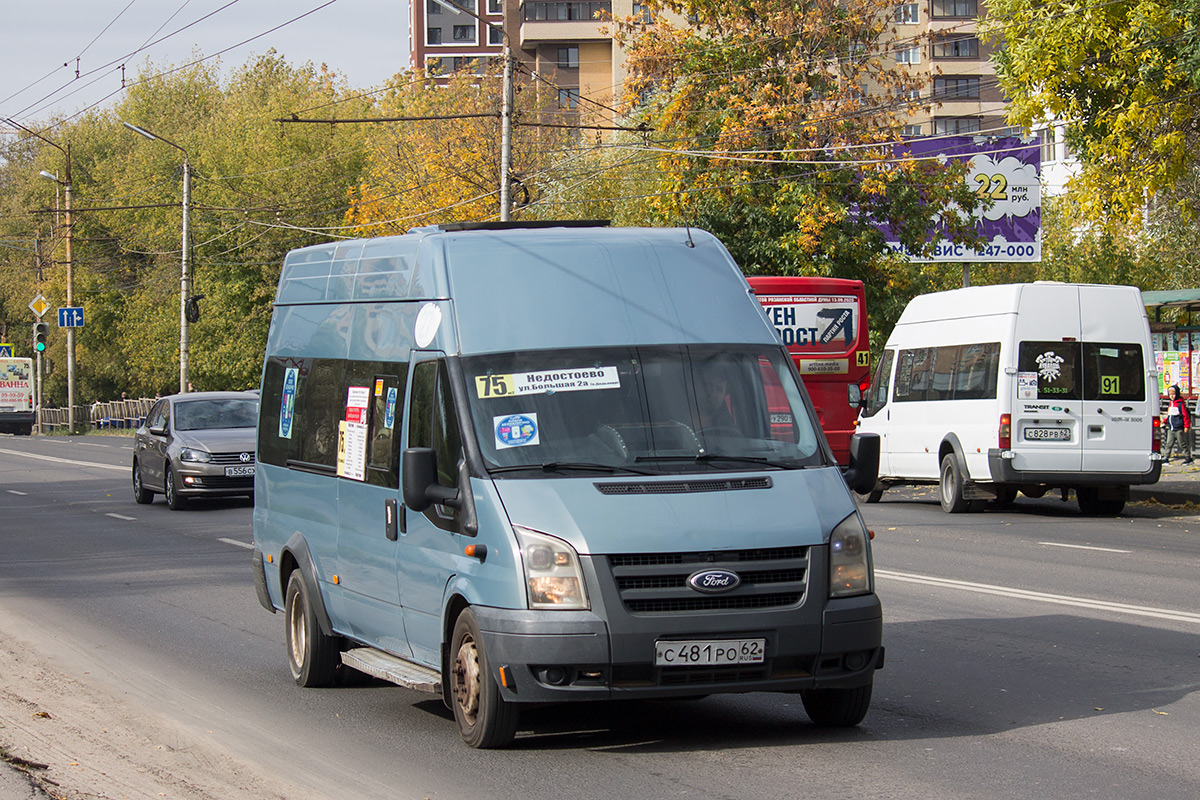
(1178, 425)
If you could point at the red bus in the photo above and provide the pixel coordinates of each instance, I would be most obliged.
(823, 323)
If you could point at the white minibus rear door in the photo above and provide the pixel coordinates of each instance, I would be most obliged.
(1117, 414)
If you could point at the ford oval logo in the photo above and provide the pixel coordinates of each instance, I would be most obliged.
(714, 580)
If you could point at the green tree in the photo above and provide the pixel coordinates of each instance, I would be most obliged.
(1122, 76)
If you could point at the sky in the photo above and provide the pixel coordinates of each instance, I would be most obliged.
(366, 41)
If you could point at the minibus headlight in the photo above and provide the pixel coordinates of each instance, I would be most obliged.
(189, 454)
(553, 578)
(849, 567)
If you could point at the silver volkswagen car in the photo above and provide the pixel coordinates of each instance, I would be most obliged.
(196, 444)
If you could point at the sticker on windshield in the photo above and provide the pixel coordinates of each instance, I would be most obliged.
(551, 380)
(516, 430)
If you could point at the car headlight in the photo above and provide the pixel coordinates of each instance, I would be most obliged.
(189, 454)
(553, 578)
(849, 567)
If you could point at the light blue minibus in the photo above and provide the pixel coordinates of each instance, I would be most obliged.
(521, 464)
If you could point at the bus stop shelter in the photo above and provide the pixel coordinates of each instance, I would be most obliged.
(1175, 329)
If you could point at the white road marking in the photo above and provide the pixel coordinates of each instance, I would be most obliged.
(121, 516)
(14, 491)
(247, 545)
(1043, 597)
(72, 462)
(1083, 547)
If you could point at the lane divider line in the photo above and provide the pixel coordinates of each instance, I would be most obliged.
(1043, 597)
(65, 460)
(247, 545)
(121, 516)
(1084, 547)
(19, 494)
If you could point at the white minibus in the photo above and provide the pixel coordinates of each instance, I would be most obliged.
(991, 390)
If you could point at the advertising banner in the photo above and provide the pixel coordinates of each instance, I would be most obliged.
(1004, 170)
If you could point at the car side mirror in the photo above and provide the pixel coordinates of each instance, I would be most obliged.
(855, 395)
(159, 431)
(418, 469)
(863, 472)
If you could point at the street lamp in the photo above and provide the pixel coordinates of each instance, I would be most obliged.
(66, 187)
(185, 279)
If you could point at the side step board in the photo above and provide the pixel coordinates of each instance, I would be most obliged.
(394, 669)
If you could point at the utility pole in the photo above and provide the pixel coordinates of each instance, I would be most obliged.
(185, 275)
(506, 114)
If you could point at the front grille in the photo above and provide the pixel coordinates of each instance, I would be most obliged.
(656, 583)
(221, 482)
(233, 459)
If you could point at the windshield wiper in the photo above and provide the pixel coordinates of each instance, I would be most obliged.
(563, 466)
(704, 458)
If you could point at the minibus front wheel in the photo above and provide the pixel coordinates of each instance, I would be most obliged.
(837, 708)
(313, 655)
(485, 719)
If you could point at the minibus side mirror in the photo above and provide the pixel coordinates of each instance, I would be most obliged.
(418, 468)
(863, 473)
(855, 395)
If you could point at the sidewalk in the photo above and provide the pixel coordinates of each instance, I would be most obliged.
(1179, 484)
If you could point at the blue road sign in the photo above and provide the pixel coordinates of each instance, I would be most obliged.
(5, 351)
(70, 317)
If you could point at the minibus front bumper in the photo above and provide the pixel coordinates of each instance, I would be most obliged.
(557, 656)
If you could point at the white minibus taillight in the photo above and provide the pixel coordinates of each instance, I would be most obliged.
(1156, 436)
(1006, 431)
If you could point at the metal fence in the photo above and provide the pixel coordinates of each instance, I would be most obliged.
(117, 414)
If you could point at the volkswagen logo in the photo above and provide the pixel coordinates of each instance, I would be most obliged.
(245, 458)
(714, 580)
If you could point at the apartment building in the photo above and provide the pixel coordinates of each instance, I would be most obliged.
(939, 39)
(565, 44)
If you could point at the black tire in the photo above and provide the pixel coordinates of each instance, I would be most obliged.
(485, 719)
(1091, 505)
(313, 656)
(141, 495)
(872, 496)
(1005, 495)
(950, 488)
(837, 708)
(175, 501)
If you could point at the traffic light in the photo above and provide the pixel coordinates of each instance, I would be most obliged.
(40, 329)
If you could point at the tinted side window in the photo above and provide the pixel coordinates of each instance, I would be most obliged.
(1113, 372)
(976, 371)
(880, 383)
(913, 374)
(1049, 368)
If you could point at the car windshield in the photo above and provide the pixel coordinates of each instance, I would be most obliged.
(233, 412)
(645, 409)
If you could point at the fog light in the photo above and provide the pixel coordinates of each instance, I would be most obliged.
(555, 676)
(189, 480)
(856, 661)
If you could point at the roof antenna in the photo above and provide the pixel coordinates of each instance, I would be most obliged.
(686, 226)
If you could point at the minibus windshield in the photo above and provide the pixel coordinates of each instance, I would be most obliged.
(651, 410)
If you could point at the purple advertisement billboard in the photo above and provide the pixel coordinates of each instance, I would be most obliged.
(1006, 170)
